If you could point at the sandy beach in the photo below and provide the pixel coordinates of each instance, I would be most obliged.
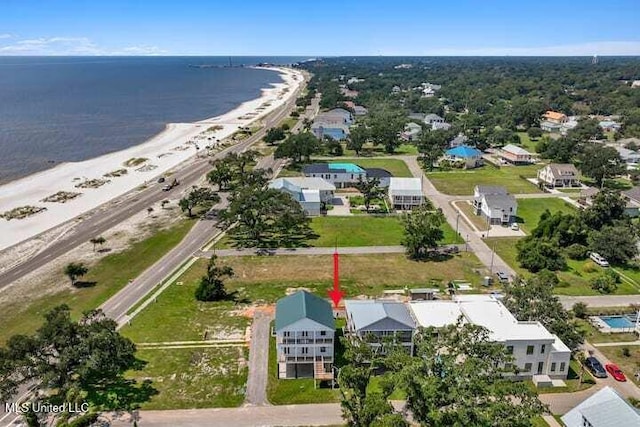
(71, 189)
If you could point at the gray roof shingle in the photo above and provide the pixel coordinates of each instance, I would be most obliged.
(303, 305)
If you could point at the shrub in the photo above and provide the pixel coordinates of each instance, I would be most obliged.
(577, 251)
(588, 267)
(605, 283)
(626, 352)
(579, 310)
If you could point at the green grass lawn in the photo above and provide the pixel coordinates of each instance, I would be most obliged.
(577, 276)
(527, 143)
(529, 210)
(468, 210)
(110, 274)
(462, 182)
(364, 230)
(194, 377)
(373, 151)
(178, 316)
(572, 382)
(398, 168)
(266, 279)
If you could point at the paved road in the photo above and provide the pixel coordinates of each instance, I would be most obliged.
(258, 360)
(107, 216)
(601, 300)
(356, 250)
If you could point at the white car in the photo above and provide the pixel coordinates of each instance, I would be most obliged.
(598, 259)
(515, 226)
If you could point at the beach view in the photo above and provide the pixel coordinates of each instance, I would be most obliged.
(359, 214)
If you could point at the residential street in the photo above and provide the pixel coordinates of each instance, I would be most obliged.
(258, 360)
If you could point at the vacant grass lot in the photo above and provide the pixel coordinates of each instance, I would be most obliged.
(527, 143)
(364, 230)
(370, 150)
(628, 364)
(529, 210)
(462, 182)
(576, 277)
(111, 274)
(265, 279)
(195, 377)
(178, 316)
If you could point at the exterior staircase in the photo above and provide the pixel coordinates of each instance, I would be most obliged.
(319, 372)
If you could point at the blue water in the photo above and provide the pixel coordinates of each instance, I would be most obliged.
(349, 167)
(55, 109)
(617, 322)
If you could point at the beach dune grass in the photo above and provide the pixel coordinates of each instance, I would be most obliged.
(110, 274)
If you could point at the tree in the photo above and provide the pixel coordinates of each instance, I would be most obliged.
(606, 283)
(357, 138)
(586, 130)
(385, 125)
(334, 147)
(422, 230)
(457, 378)
(72, 361)
(222, 174)
(600, 163)
(298, 147)
(75, 270)
(534, 133)
(274, 135)
(606, 208)
(579, 310)
(265, 218)
(370, 189)
(97, 241)
(533, 300)
(211, 286)
(536, 254)
(431, 146)
(198, 197)
(617, 244)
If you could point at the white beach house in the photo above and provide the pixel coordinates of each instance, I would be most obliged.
(405, 193)
(305, 330)
(494, 204)
(313, 194)
(342, 175)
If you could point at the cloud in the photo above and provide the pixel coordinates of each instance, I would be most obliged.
(584, 49)
(6, 36)
(69, 46)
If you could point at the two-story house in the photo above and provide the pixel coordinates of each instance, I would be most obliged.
(305, 333)
(494, 204)
(405, 193)
(559, 175)
(378, 320)
(313, 194)
(342, 175)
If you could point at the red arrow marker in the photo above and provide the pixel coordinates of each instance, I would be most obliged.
(336, 294)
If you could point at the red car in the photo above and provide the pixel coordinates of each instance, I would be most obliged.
(615, 372)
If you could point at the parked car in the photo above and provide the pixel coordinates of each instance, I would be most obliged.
(161, 179)
(615, 372)
(598, 259)
(167, 187)
(502, 276)
(515, 226)
(595, 367)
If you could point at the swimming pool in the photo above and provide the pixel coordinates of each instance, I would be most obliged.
(349, 167)
(617, 322)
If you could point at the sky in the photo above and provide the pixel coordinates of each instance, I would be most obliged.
(319, 27)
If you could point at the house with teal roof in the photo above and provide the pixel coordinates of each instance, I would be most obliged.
(305, 333)
(342, 175)
(469, 156)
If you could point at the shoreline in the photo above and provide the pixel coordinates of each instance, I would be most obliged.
(172, 147)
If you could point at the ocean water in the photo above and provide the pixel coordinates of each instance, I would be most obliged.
(55, 109)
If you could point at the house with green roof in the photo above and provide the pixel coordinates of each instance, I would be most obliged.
(305, 333)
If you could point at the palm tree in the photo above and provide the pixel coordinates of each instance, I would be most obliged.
(97, 241)
(74, 271)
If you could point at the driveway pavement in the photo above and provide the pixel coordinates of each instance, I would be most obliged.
(258, 361)
(341, 207)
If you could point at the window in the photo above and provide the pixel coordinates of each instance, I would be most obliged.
(304, 350)
(323, 349)
(351, 176)
(287, 350)
(287, 334)
(510, 349)
(305, 333)
(542, 348)
(527, 367)
(562, 367)
(540, 367)
(529, 349)
(323, 333)
(335, 176)
(553, 366)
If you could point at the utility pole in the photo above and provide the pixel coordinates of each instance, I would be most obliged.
(493, 252)
(457, 220)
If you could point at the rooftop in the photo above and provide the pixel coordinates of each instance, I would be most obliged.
(464, 151)
(510, 148)
(332, 168)
(606, 408)
(378, 173)
(405, 184)
(554, 115)
(303, 305)
(377, 315)
(491, 189)
(298, 183)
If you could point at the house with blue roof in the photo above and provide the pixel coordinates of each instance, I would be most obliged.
(305, 333)
(342, 175)
(471, 157)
